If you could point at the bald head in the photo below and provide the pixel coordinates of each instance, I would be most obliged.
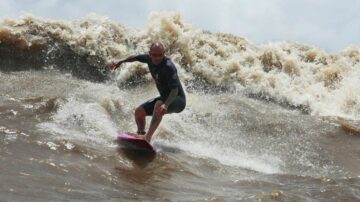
(157, 46)
(157, 52)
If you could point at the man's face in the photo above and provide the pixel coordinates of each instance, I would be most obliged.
(157, 55)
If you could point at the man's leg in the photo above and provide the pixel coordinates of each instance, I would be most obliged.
(140, 119)
(155, 121)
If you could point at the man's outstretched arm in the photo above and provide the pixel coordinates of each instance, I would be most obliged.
(114, 66)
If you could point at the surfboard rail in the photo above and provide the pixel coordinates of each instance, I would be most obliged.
(131, 142)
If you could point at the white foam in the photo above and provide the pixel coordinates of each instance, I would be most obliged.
(85, 117)
(204, 130)
(287, 72)
(232, 157)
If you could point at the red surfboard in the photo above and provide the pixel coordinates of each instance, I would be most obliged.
(131, 142)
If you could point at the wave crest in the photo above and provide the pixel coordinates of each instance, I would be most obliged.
(284, 72)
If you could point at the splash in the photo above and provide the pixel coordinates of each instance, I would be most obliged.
(289, 73)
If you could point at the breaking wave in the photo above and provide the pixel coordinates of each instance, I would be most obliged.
(289, 73)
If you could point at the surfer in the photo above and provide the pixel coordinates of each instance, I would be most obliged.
(172, 97)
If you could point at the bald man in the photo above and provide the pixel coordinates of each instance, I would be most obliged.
(172, 97)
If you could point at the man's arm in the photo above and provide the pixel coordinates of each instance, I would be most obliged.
(172, 96)
(132, 58)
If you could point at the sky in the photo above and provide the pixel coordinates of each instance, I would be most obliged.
(329, 24)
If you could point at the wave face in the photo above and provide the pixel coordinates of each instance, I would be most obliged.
(289, 73)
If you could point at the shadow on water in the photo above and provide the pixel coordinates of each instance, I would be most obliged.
(140, 157)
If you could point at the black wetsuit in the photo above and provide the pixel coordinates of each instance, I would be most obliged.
(166, 78)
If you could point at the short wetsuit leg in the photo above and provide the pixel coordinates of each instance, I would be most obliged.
(149, 105)
(176, 106)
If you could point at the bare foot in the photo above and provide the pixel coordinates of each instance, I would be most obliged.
(147, 138)
(142, 137)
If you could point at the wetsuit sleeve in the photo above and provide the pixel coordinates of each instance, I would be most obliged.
(144, 58)
(173, 78)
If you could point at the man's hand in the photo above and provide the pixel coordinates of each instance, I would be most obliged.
(161, 110)
(114, 65)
